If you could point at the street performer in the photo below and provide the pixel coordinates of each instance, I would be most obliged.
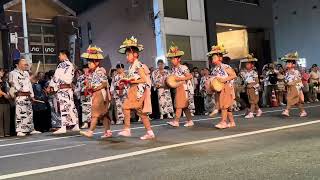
(224, 74)
(139, 92)
(61, 84)
(294, 85)
(98, 87)
(24, 96)
(184, 96)
(251, 81)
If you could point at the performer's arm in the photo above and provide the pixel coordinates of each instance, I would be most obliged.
(186, 77)
(231, 76)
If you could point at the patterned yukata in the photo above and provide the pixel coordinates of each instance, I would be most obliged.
(209, 100)
(226, 96)
(24, 114)
(133, 73)
(164, 95)
(63, 76)
(101, 98)
(294, 93)
(85, 98)
(180, 71)
(252, 87)
(118, 96)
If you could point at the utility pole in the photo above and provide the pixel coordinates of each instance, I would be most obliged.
(25, 32)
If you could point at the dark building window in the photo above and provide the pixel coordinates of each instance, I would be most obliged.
(175, 9)
(253, 2)
(42, 40)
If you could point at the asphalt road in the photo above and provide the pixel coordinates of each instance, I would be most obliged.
(270, 147)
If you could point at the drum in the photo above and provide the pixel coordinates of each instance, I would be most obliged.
(172, 83)
(216, 85)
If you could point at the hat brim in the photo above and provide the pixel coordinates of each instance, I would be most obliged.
(289, 59)
(211, 53)
(123, 48)
(172, 55)
(92, 56)
(250, 60)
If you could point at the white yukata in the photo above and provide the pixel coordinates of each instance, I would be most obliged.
(209, 99)
(24, 114)
(119, 96)
(164, 95)
(85, 98)
(63, 76)
(180, 71)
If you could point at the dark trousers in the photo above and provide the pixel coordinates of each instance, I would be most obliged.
(5, 120)
(42, 120)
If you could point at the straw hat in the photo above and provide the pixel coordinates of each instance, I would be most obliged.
(129, 43)
(93, 52)
(217, 50)
(174, 51)
(250, 58)
(291, 57)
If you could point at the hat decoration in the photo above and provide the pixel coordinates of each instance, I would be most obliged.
(129, 43)
(291, 57)
(250, 58)
(218, 49)
(93, 52)
(174, 51)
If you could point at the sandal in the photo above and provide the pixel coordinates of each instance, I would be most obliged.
(222, 125)
(107, 134)
(173, 123)
(88, 134)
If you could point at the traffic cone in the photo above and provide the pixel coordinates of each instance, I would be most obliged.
(274, 101)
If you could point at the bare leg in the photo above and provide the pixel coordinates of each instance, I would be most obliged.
(231, 119)
(178, 114)
(145, 120)
(188, 114)
(93, 124)
(127, 116)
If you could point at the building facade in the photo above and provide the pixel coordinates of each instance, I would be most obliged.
(245, 26)
(108, 23)
(297, 28)
(182, 22)
(51, 27)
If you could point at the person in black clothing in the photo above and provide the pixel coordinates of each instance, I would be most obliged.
(41, 116)
(5, 120)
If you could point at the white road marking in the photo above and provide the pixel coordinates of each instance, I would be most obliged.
(147, 151)
(141, 127)
(10, 139)
(36, 152)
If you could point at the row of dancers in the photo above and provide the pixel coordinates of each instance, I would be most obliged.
(134, 90)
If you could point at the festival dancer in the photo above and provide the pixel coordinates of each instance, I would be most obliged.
(98, 86)
(184, 96)
(294, 85)
(61, 84)
(139, 92)
(251, 81)
(224, 74)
